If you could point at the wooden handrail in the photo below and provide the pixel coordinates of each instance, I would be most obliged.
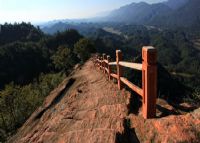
(113, 63)
(99, 60)
(106, 61)
(135, 66)
(106, 69)
(132, 86)
(148, 92)
(114, 75)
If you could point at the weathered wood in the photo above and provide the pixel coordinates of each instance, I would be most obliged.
(135, 66)
(103, 63)
(114, 75)
(99, 62)
(109, 68)
(113, 63)
(106, 61)
(101, 58)
(135, 88)
(106, 69)
(119, 68)
(149, 84)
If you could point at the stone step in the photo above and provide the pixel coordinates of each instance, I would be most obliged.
(69, 125)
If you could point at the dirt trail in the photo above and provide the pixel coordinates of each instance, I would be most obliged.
(90, 109)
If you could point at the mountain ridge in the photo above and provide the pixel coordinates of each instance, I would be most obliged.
(87, 107)
(175, 4)
(169, 14)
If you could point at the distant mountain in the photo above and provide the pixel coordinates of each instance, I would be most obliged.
(186, 16)
(49, 24)
(173, 13)
(137, 13)
(169, 14)
(52, 27)
(83, 28)
(175, 4)
(52, 23)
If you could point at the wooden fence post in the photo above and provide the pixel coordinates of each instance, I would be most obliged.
(119, 68)
(97, 62)
(101, 59)
(109, 68)
(149, 81)
(104, 64)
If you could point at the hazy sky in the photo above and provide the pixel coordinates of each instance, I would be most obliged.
(45, 10)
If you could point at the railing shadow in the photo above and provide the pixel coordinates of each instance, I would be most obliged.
(128, 136)
(135, 103)
(178, 109)
(165, 112)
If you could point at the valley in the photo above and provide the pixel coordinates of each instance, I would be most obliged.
(114, 31)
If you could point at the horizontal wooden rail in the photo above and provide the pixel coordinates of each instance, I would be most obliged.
(114, 75)
(106, 69)
(113, 63)
(99, 61)
(148, 92)
(132, 86)
(106, 61)
(135, 66)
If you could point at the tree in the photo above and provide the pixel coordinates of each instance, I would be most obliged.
(64, 59)
(83, 48)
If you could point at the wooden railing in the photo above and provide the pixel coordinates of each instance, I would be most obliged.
(148, 92)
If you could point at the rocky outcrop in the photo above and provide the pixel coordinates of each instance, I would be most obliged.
(84, 108)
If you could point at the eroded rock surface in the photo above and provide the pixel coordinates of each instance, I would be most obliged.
(84, 108)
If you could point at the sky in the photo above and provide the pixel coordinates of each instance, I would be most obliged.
(47, 10)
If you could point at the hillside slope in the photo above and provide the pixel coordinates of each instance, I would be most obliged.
(87, 108)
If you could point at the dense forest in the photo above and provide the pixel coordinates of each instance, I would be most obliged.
(32, 64)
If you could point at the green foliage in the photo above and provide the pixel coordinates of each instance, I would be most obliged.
(64, 59)
(83, 48)
(25, 52)
(18, 102)
(68, 37)
(20, 62)
(196, 94)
